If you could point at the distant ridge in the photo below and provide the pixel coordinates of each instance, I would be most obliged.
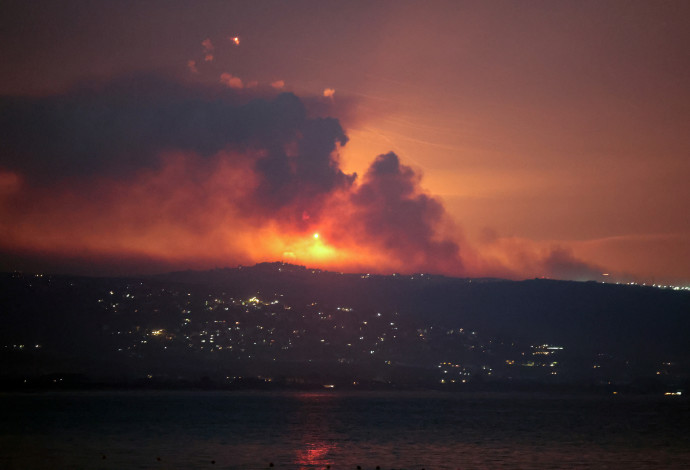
(591, 314)
(288, 268)
(327, 323)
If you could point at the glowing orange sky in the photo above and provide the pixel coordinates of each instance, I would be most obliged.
(553, 134)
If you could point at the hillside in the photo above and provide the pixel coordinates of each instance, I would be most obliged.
(277, 322)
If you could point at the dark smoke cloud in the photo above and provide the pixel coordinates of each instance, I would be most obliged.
(122, 126)
(109, 169)
(307, 173)
(121, 130)
(562, 264)
(403, 219)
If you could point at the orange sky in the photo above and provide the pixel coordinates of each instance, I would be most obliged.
(555, 135)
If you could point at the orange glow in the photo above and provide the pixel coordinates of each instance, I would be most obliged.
(195, 213)
(315, 454)
(231, 81)
(567, 150)
(141, 219)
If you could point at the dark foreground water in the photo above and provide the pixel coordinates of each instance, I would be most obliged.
(130, 430)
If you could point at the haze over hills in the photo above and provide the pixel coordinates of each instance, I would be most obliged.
(277, 323)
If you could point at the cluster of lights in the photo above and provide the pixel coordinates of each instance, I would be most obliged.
(658, 286)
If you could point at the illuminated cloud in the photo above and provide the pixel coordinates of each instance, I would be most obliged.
(259, 176)
(208, 50)
(208, 45)
(328, 92)
(183, 175)
(191, 65)
(123, 127)
(231, 81)
(110, 169)
(278, 84)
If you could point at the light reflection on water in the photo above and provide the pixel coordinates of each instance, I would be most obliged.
(313, 431)
(312, 451)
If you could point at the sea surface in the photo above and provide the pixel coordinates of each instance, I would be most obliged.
(391, 430)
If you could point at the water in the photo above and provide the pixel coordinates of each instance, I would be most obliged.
(171, 430)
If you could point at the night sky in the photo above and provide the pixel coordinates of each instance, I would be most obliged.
(506, 139)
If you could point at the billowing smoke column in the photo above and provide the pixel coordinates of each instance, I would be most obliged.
(401, 219)
(149, 168)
